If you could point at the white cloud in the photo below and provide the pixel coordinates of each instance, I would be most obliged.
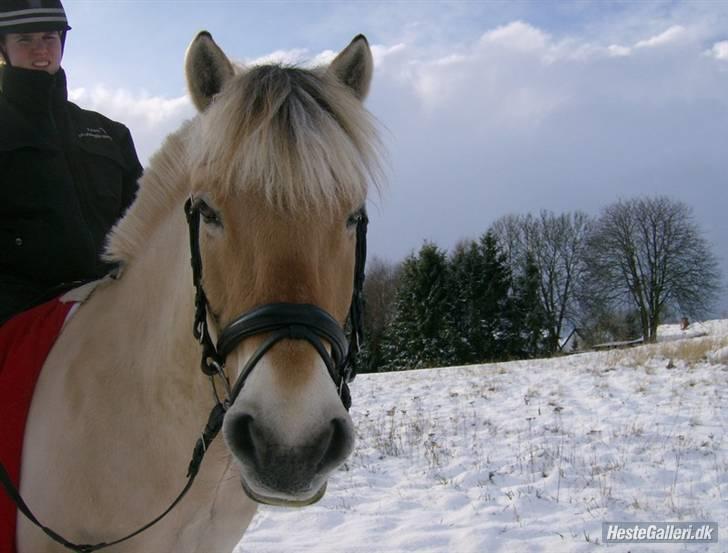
(452, 59)
(672, 34)
(150, 118)
(719, 51)
(527, 39)
(151, 111)
(382, 53)
(295, 56)
(322, 58)
(517, 36)
(586, 51)
(618, 51)
(497, 72)
(523, 74)
(303, 57)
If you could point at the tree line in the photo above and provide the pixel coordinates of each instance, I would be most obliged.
(528, 280)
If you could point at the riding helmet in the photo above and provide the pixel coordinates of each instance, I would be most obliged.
(32, 16)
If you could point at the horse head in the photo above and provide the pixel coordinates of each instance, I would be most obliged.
(280, 161)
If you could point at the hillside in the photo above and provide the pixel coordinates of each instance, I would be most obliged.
(527, 456)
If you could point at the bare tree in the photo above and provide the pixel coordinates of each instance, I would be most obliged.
(557, 246)
(380, 289)
(650, 253)
(510, 233)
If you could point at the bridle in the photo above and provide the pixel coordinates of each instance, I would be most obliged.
(279, 321)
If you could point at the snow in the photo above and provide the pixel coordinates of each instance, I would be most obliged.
(666, 333)
(528, 456)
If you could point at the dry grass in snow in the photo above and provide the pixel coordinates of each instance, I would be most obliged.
(526, 456)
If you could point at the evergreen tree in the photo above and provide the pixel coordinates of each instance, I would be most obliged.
(480, 309)
(493, 304)
(420, 332)
(466, 269)
(380, 288)
(527, 317)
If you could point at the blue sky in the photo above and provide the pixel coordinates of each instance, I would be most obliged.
(487, 108)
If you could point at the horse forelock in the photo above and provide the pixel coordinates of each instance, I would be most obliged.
(297, 137)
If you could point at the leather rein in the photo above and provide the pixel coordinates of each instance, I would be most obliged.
(280, 321)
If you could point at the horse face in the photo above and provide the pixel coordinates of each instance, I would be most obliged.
(288, 428)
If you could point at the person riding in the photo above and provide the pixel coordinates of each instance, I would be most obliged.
(66, 174)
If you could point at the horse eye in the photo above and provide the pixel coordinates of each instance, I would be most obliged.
(209, 215)
(353, 219)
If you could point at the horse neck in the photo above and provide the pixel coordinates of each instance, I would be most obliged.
(129, 364)
(155, 295)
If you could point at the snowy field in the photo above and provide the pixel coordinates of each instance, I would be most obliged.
(527, 456)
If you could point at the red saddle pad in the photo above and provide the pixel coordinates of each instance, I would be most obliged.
(25, 341)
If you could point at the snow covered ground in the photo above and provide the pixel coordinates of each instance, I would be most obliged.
(527, 456)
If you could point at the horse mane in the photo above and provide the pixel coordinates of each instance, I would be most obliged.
(297, 137)
(160, 186)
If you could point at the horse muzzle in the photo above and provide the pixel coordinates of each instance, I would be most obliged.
(274, 473)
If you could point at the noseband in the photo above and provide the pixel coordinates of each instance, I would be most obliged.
(280, 321)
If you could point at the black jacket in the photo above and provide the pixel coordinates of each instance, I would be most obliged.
(66, 176)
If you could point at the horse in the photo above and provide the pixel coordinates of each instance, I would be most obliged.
(266, 186)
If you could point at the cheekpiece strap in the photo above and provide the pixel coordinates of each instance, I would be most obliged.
(211, 362)
(356, 312)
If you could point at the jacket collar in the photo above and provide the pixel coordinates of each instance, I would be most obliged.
(32, 104)
(35, 93)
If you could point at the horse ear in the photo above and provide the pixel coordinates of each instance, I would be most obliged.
(207, 69)
(354, 65)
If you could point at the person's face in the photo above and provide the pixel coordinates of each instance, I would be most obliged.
(39, 51)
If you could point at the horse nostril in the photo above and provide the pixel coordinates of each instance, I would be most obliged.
(338, 447)
(240, 435)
